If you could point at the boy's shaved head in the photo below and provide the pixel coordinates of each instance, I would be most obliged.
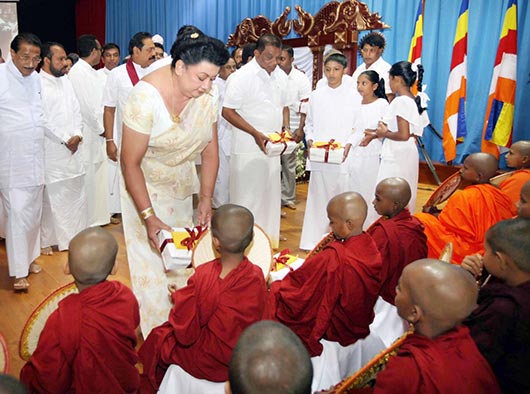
(91, 255)
(270, 359)
(233, 226)
(397, 190)
(484, 164)
(446, 293)
(349, 206)
(523, 147)
(512, 238)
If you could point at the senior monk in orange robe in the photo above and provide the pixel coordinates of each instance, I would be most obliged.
(469, 212)
(332, 295)
(398, 235)
(518, 157)
(221, 299)
(88, 343)
(440, 356)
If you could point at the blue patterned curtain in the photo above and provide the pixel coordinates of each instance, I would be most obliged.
(219, 18)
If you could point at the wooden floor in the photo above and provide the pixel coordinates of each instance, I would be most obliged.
(16, 307)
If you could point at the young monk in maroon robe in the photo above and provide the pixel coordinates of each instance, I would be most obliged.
(221, 299)
(500, 325)
(88, 343)
(523, 205)
(440, 356)
(518, 157)
(398, 235)
(332, 295)
(469, 212)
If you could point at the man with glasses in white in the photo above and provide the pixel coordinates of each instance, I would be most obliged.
(21, 158)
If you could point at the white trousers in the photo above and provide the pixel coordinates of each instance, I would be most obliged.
(22, 211)
(221, 193)
(64, 212)
(115, 178)
(97, 192)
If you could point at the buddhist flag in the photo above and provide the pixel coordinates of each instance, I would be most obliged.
(417, 36)
(498, 124)
(416, 41)
(454, 126)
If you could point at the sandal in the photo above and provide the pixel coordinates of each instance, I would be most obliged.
(21, 284)
(34, 268)
(47, 251)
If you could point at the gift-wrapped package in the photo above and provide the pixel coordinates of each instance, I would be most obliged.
(280, 144)
(176, 246)
(284, 263)
(327, 152)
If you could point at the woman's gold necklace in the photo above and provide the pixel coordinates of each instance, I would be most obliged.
(174, 117)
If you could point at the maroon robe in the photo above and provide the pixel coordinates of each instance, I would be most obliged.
(207, 318)
(401, 241)
(332, 295)
(88, 344)
(449, 363)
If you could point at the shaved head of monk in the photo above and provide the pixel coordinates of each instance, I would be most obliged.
(435, 296)
(92, 256)
(479, 168)
(233, 227)
(269, 359)
(518, 155)
(10, 385)
(392, 195)
(346, 213)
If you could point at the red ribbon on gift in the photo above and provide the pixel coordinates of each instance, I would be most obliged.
(165, 242)
(330, 145)
(283, 258)
(195, 234)
(285, 137)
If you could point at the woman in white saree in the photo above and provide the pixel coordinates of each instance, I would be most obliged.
(169, 119)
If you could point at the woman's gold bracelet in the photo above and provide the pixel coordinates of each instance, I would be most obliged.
(147, 213)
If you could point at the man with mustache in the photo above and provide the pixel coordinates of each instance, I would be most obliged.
(64, 211)
(21, 157)
(119, 83)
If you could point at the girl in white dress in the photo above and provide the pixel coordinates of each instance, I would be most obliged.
(365, 151)
(399, 125)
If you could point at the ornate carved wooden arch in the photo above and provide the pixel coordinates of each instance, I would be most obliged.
(336, 23)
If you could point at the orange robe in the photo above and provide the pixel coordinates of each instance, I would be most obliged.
(449, 363)
(207, 318)
(88, 344)
(514, 183)
(469, 213)
(332, 295)
(401, 240)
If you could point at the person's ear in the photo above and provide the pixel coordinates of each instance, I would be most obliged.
(216, 243)
(504, 260)
(114, 269)
(66, 268)
(350, 224)
(415, 314)
(228, 390)
(179, 67)
(525, 160)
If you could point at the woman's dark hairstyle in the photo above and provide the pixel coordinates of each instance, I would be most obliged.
(74, 57)
(404, 69)
(337, 57)
(138, 41)
(373, 77)
(192, 46)
(28, 38)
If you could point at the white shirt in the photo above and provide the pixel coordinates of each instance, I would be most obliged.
(224, 130)
(104, 72)
(298, 89)
(331, 115)
(117, 91)
(62, 120)
(258, 98)
(88, 87)
(381, 67)
(347, 80)
(21, 131)
(165, 61)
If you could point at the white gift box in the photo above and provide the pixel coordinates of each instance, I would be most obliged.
(280, 145)
(282, 272)
(174, 256)
(331, 156)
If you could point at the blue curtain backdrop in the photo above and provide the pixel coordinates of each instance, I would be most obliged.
(219, 18)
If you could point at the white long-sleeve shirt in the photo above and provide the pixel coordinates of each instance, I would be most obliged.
(21, 131)
(88, 88)
(62, 121)
(298, 89)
